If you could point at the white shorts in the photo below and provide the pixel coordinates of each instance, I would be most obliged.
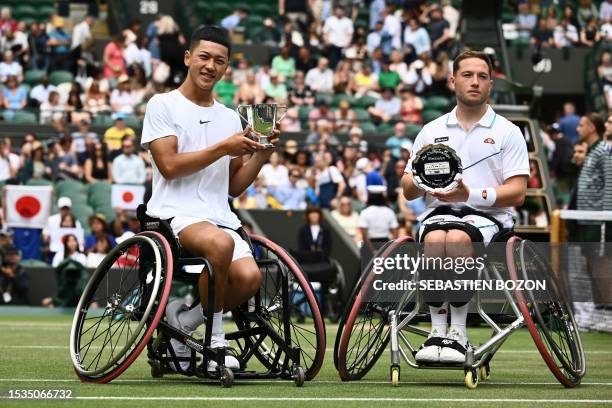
(241, 247)
(486, 227)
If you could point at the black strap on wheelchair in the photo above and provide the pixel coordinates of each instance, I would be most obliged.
(473, 232)
(462, 212)
(444, 342)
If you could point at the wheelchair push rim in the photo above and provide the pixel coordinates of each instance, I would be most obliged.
(565, 356)
(142, 303)
(376, 334)
(301, 332)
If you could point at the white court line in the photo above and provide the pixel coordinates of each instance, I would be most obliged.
(338, 382)
(343, 399)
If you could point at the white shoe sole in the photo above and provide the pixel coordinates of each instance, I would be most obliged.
(449, 355)
(231, 362)
(430, 354)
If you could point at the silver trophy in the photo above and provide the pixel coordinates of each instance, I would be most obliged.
(262, 118)
(436, 168)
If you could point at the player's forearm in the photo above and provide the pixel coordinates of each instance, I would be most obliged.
(409, 188)
(246, 174)
(185, 164)
(511, 193)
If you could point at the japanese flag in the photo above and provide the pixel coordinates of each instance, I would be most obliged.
(27, 206)
(127, 196)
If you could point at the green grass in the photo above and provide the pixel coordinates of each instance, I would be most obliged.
(35, 356)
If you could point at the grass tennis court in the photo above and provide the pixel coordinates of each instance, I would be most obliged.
(35, 356)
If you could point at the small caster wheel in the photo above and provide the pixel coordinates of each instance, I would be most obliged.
(484, 372)
(156, 369)
(227, 377)
(395, 376)
(471, 379)
(299, 376)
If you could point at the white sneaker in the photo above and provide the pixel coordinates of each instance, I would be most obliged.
(429, 351)
(458, 344)
(231, 361)
(180, 349)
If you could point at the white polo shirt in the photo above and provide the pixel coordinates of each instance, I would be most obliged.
(203, 194)
(491, 152)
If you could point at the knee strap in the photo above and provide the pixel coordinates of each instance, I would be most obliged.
(473, 232)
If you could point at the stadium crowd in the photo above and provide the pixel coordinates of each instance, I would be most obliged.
(340, 80)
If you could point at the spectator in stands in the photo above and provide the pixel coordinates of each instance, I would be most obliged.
(374, 38)
(290, 194)
(81, 33)
(64, 163)
(70, 250)
(35, 165)
(590, 34)
(15, 97)
(338, 32)
(440, 70)
(551, 16)
(84, 139)
(397, 64)
(451, 15)
(40, 93)
(99, 231)
(365, 82)
(344, 117)
(388, 78)
(250, 91)
(14, 282)
(172, 48)
(97, 167)
(322, 134)
(291, 36)
(605, 10)
(377, 222)
(419, 77)
(74, 108)
(127, 167)
(342, 77)
(283, 63)
(64, 204)
(10, 67)
(569, 122)
(347, 218)
(269, 35)
(125, 224)
(9, 161)
(321, 111)
(59, 42)
(329, 181)
(233, 20)
(387, 108)
(37, 47)
(393, 176)
(114, 64)
(300, 94)
(313, 237)
(7, 23)
(437, 27)
(392, 31)
(274, 172)
(114, 134)
(525, 21)
(276, 89)
(124, 99)
(570, 15)
(566, 34)
(586, 11)
(225, 90)
(6, 240)
(608, 133)
(375, 12)
(320, 78)
(304, 61)
(96, 101)
(394, 142)
(98, 252)
(562, 170)
(52, 110)
(542, 36)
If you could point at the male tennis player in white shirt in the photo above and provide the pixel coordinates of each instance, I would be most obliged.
(495, 164)
(196, 145)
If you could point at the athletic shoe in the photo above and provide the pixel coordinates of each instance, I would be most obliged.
(180, 349)
(430, 350)
(231, 361)
(456, 344)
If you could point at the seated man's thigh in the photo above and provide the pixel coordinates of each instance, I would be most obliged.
(486, 227)
(208, 240)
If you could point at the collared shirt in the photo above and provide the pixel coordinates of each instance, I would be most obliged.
(129, 169)
(491, 152)
(594, 190)
(291, 197)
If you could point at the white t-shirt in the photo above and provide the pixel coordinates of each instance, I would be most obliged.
(339, 31)
(9, 69)
(5, 171)
(330, 174)
(41, 93)
(204, 193)
(378, 220)
(491, 152)
(320, 81)
(274, 177)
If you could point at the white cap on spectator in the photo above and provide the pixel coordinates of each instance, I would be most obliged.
(362, 163)
(418, 64)
(64, 202)
(377, 189)
(356, 131)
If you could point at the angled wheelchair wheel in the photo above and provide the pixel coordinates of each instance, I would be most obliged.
(304, 326)
(363, 332)
(548, 316)
(120, 307)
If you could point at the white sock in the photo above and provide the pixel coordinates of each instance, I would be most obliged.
(217, 324)
(459, 317)
(192, 319)
(439, 316)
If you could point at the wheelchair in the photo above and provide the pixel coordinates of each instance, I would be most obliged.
(371, 322)
(122, 311)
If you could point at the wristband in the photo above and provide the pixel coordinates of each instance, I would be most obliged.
(482, 197)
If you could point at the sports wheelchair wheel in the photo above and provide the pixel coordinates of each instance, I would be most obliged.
(305, 325)
(130, 289)
(363, 331)
(548, 317)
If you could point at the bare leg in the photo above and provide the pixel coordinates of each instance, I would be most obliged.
(244, 282)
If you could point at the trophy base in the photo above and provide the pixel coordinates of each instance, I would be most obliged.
(268, 145)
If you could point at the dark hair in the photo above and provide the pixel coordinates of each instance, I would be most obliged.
(213, 34)
(472, 54)
(65, 242)
(597, 120)
(310, 210)
(377, 199)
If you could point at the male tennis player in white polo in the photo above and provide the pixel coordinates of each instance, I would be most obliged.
(495, 164)
(196, 145)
